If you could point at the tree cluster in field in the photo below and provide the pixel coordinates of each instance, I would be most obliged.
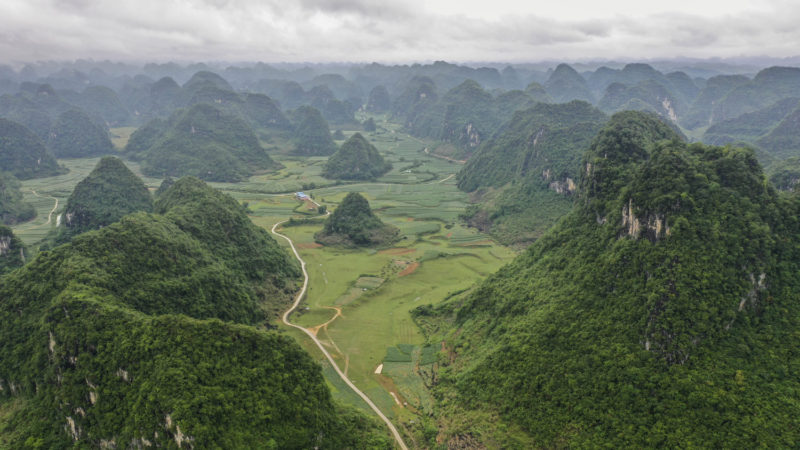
(662, 310)
(353, 223)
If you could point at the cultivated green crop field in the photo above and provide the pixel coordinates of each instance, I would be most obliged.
(375, 289)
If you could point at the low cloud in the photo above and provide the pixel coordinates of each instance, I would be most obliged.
(370, 30)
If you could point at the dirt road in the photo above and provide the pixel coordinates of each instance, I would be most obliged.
(311, 335)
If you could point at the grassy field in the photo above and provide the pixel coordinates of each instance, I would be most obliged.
(375, 289)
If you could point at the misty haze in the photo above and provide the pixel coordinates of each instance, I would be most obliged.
(433, 225)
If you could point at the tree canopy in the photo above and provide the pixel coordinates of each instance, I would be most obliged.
(356, 159)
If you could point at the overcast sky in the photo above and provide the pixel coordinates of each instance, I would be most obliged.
(394, 31)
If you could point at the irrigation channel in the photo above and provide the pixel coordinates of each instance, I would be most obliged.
(311, 335)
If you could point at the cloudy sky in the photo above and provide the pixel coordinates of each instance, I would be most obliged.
(394, 31)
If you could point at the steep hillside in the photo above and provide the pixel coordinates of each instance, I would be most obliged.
(75, 135)
(378, 101)
(109, 192)
(201, 141)
(311, 135)
(524, 175)
(354, 224)
(769, 86)
(783, 141)
(565, 84)
(12, 250)
(700, 112)
(23, 154)
(12, 208)
(750, 126)
(660, 312)
(648, 95)
(419, 94)
(264, 112)
(356, 159)
(102, 102)
(138, 335)
(786, 174)
(467, 115)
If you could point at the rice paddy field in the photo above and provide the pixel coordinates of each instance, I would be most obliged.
(359, 300)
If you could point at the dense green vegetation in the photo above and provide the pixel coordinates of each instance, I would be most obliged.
(128, 335)
(534, 159)
(12, 250)
(311, 135)
(701, 112)
(467, 115)
(201, 141)
(647, 95)
(750, 126)
(356, 159)
(566, 84)
(379, 100)
(109, 192)
(767, 87)
(23, 154)
(660, 312)
(102, 102)
(354, 224)
(12, 208)
(783, 141)
(75, 135)
(786, 175)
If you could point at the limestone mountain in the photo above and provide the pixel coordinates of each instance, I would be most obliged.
(526, 173)
(353, 223)
(467, 115)
(202, 141)
(701, 111)
(783, 141)
(356, 159)
(418, 94)
(108, 193)
(12, 250)
(147, 333)
(648, 95)
(661, 310)
(767, 87)
(12, 207)
(378, 101)
(749, 127)
(101, 102)
(566, 84)
(76, 135)
(311, 134)
(264, 112)
(23, 154)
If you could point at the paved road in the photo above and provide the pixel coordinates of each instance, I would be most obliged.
(344, 378)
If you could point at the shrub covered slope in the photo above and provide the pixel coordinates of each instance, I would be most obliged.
(138, 334)
(662, 311)
(354, 224)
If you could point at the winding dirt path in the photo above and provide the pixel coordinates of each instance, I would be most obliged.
(311, 335)
(458, 161)
(315, 329)
(49, 216)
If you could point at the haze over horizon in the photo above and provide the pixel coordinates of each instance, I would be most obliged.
(408, 31)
